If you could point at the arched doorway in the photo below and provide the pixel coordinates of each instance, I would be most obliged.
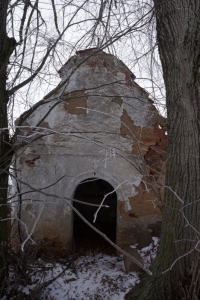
(93, 191)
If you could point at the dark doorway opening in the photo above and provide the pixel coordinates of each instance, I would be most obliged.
(93, 191)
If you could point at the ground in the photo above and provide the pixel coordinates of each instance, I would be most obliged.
(92, 276)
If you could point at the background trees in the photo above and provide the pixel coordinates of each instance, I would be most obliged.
(32, 49)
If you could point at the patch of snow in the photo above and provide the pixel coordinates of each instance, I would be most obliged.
(134, 246)
(97, 277)
(148, 253)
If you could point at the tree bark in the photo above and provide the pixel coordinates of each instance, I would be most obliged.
(178, 35)
(6, 48)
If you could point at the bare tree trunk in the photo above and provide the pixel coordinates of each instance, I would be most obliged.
(178, 34)
(6, 48)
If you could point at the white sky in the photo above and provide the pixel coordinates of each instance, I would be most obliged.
(128, 48)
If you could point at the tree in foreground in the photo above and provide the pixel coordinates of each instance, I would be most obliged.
(176, 268)
(6, 48)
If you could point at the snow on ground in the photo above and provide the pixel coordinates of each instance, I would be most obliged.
(95, 277)
(99, 277)
(148, 254)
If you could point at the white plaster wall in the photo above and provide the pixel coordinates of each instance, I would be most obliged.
(80, 146)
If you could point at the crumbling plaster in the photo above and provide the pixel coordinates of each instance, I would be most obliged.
(98, 123)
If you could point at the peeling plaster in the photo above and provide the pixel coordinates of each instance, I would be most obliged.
(98, 129)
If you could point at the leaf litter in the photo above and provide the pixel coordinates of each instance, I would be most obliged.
(94, 276)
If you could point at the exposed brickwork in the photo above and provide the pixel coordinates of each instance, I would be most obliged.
(26, 127)
(117, 100)
(31, 162)
(44, 125)
(75, 100)
(151, 141)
